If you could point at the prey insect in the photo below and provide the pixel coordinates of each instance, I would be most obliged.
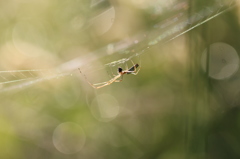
(117, 78)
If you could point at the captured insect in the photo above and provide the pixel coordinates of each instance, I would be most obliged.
(117, 78)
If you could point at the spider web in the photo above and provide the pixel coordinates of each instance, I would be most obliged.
(163, 32)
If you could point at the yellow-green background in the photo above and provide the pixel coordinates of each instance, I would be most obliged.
(170, 110)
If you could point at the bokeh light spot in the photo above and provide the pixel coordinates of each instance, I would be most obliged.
(69, 138)
(105, 107)
(103, 22)
(223, 60)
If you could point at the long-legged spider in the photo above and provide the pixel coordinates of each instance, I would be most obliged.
(117, 78)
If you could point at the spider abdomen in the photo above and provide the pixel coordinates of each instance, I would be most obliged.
(133, 68)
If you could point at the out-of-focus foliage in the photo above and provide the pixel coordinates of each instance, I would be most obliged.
(184, 103)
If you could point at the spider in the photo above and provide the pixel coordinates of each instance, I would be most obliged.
(117, 78)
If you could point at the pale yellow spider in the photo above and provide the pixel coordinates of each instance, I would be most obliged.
(133, 70)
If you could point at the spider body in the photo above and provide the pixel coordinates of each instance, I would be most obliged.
(117, 78)
(120, 70)
(133, 68)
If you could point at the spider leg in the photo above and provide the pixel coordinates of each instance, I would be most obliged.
(135, 72)
(120, 79)
(112, 73)
(103, 83)
(109, 82)
(86, 78)
(126, 66)
(133, 63)
(135, 68)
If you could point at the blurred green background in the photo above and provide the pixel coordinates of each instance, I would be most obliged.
(183, 104)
